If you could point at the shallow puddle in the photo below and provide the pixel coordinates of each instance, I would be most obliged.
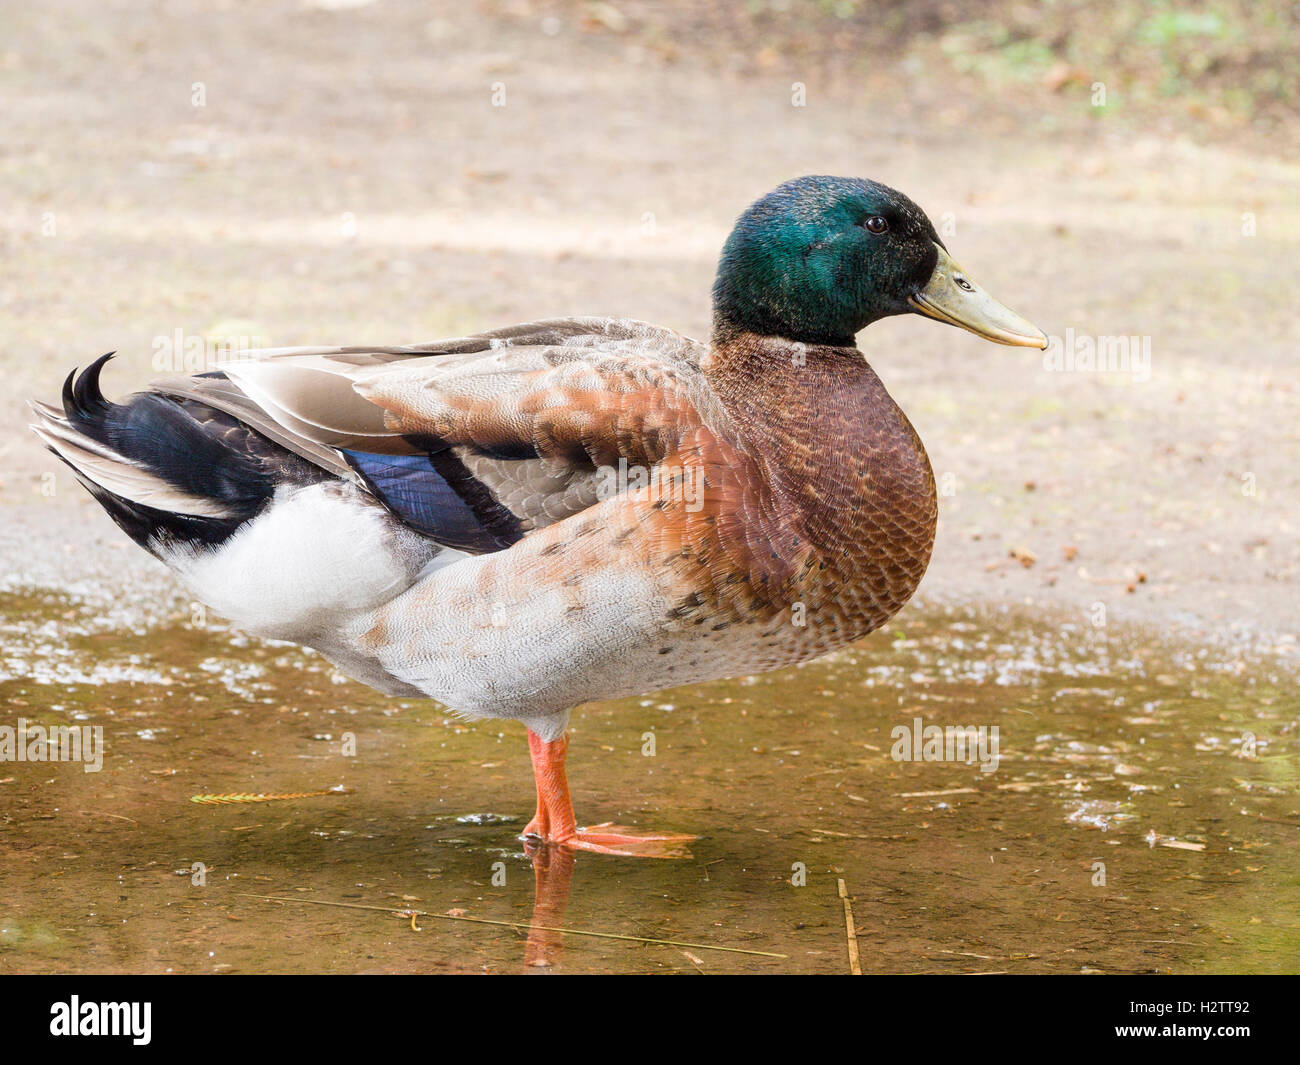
(1143, 815)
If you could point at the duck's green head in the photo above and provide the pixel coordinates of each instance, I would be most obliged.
(820, 258)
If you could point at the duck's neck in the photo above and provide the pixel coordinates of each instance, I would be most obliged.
(792, 389)
(803, 407)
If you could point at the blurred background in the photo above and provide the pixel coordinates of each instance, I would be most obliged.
(325, 171)
(182, 178)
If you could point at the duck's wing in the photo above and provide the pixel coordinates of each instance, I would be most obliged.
(478, 441)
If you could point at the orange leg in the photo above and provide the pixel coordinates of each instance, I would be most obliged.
(554, 821)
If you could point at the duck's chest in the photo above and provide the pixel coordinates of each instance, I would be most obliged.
(841, 504)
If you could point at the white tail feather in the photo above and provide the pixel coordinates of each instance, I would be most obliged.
(116, 473)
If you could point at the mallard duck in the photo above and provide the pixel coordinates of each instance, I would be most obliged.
(520, 521)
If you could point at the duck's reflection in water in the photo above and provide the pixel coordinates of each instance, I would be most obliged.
(553, 879)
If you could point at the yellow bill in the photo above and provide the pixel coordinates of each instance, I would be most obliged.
(950, 296)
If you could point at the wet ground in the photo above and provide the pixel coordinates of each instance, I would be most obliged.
(1143, 816)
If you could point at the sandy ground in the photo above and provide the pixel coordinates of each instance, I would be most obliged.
(348, 179)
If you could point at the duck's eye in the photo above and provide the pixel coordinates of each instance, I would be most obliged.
(876, 224)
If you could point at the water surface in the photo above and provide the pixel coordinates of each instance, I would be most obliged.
(1127, 828)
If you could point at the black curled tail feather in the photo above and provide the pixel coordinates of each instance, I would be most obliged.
(83, 400)
(167, 471)
(162, 436)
